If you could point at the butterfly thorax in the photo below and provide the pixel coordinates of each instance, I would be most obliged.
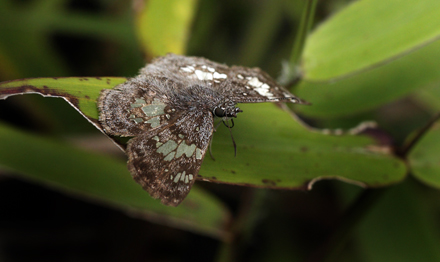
(202, 98)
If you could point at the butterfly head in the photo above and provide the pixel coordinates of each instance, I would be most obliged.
(226, 110)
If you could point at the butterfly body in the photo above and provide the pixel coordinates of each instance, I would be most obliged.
(169, 111)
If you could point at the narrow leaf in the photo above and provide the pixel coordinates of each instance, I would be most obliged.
(367, 33)
(275, 151)
(372, 88)
(369, 54)
(104, 179)
(81, 92)
(164, 26)
(424, 158)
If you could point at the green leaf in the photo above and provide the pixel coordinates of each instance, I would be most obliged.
(374, 87)
(164, 26)
(367, 33)
(429, 97)
(424, 158)
(80, 92)
(275, 151)
(104, 179)
(401, 227)
(396, 55)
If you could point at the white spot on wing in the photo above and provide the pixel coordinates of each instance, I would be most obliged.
(218, 75)
(185, 149)
(198, 153)
(203, 75)
(255, 82)
(260, 87)
(154, 122)
(177, 178)
(170, 156)
(154, 109)
(188, 69)
(166, 148)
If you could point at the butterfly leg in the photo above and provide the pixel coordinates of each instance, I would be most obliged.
(232, 137)
(218, 124)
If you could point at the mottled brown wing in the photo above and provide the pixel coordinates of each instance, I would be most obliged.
(187, 70)
(239, 84)
(166, 162)
(253, 85)
(134, 107)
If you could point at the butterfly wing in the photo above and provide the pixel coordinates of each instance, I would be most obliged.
(240, 84)
(187, 70)
(135, 107)
(253, 85)
(166, 161)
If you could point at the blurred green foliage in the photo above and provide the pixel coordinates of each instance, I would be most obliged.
(357, 66)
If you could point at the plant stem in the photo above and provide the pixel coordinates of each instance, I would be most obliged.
(404, 150)
(300, 39)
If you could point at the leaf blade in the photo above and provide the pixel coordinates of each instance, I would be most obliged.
(424, 160)
(104, 179)
(164, 26)
(373, 31)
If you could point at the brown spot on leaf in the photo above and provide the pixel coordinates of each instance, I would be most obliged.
(269, 182)
(232, 171)
(45, 91)
(304, 149)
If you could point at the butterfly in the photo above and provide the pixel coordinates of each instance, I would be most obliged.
(169, 110)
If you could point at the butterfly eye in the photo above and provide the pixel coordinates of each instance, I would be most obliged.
(219, 112)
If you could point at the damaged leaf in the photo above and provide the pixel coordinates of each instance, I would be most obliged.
(274, 150)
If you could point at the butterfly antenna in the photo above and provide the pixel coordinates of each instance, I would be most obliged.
(232, 137)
